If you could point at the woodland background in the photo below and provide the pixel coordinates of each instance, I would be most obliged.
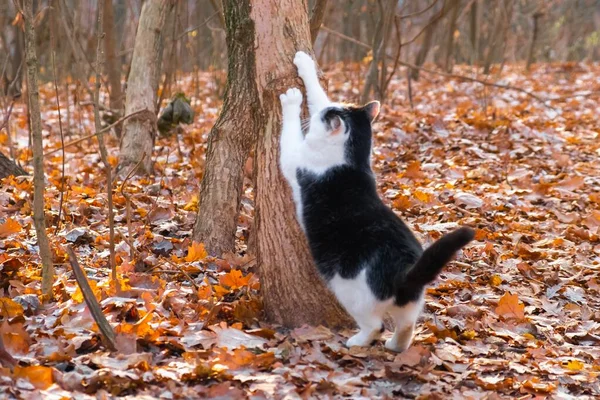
(138, 148)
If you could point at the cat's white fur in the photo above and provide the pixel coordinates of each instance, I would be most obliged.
(319, 151)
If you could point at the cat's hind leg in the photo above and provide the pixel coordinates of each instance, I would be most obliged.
(315, 95)
(358, 299)
(405, 318)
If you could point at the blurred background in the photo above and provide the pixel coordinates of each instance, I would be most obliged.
(442, 32)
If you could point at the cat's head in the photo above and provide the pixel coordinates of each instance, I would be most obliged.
(348, 126)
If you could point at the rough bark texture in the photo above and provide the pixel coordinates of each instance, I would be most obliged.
(231, 138)
(142, 86)
(38, 154)
(293, 292)
(7, 167)
(113, 67)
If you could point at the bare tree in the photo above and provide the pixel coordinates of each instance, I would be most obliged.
(231, 138)
(113, 66)
(142, 86)
(39, 219)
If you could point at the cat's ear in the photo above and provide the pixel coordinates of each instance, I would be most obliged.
(372, 109)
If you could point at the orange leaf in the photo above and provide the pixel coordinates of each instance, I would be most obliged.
(9, 227)
(10, 308)
(509, 306)
(413, 171)
(234, 279)
(196, 252)
(39, 376)
(573, 183)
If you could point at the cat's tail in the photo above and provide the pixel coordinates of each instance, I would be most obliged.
(436, 256)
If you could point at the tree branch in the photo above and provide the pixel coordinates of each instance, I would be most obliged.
(88, 295)
(455, 76)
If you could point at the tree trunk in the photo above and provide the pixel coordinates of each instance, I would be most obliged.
(293, 292)
(450, 38)
(7, 167)
(316, 19)
(231, 138)
(427, 40)
(534, 35)
(263, 37)
(473, 32)
(113, 67)
(38, 152)
(142, 86)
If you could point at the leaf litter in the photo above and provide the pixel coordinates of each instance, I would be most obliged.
(517, 316)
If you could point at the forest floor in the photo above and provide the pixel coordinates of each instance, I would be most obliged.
(517, 316)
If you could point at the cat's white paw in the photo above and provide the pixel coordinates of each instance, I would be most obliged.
(291, 99)
(305, 64)
(360, 339)
(394, 346)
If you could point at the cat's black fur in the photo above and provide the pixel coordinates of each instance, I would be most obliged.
(349, 227)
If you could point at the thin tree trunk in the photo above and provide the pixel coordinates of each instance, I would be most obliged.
(427, 40)
(142, 86)
(450, 36)
(231, 138)
(534, 35)
(38, 152)
(113, 67)
(473, 32)
(293, 292)
(8, 167)
(316, 19)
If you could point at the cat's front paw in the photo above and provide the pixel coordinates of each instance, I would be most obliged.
(305, 64)
(291, 100)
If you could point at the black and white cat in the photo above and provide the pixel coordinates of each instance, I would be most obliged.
(369, 257)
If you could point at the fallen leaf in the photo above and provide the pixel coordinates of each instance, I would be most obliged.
(196, 252)
(9, 227)
(510, 307)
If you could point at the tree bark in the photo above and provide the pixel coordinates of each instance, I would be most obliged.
(293, 292)
(454, 5)
(231, 138)
(142, 86)
(8, 167)
(113, 67)
(263, 37)
(38, 155)
(531, 55)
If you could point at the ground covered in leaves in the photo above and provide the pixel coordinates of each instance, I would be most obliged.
(516, 316)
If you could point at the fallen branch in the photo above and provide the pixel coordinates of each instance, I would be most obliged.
(106, 129)
(446, 74)
(106, 329)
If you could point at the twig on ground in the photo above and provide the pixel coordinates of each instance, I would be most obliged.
(88, 295)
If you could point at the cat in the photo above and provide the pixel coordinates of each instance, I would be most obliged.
(368, 256)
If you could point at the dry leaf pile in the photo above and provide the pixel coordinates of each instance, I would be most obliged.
(517, 316)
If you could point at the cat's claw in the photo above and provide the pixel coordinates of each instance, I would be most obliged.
(305, 64)
(292, 98)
